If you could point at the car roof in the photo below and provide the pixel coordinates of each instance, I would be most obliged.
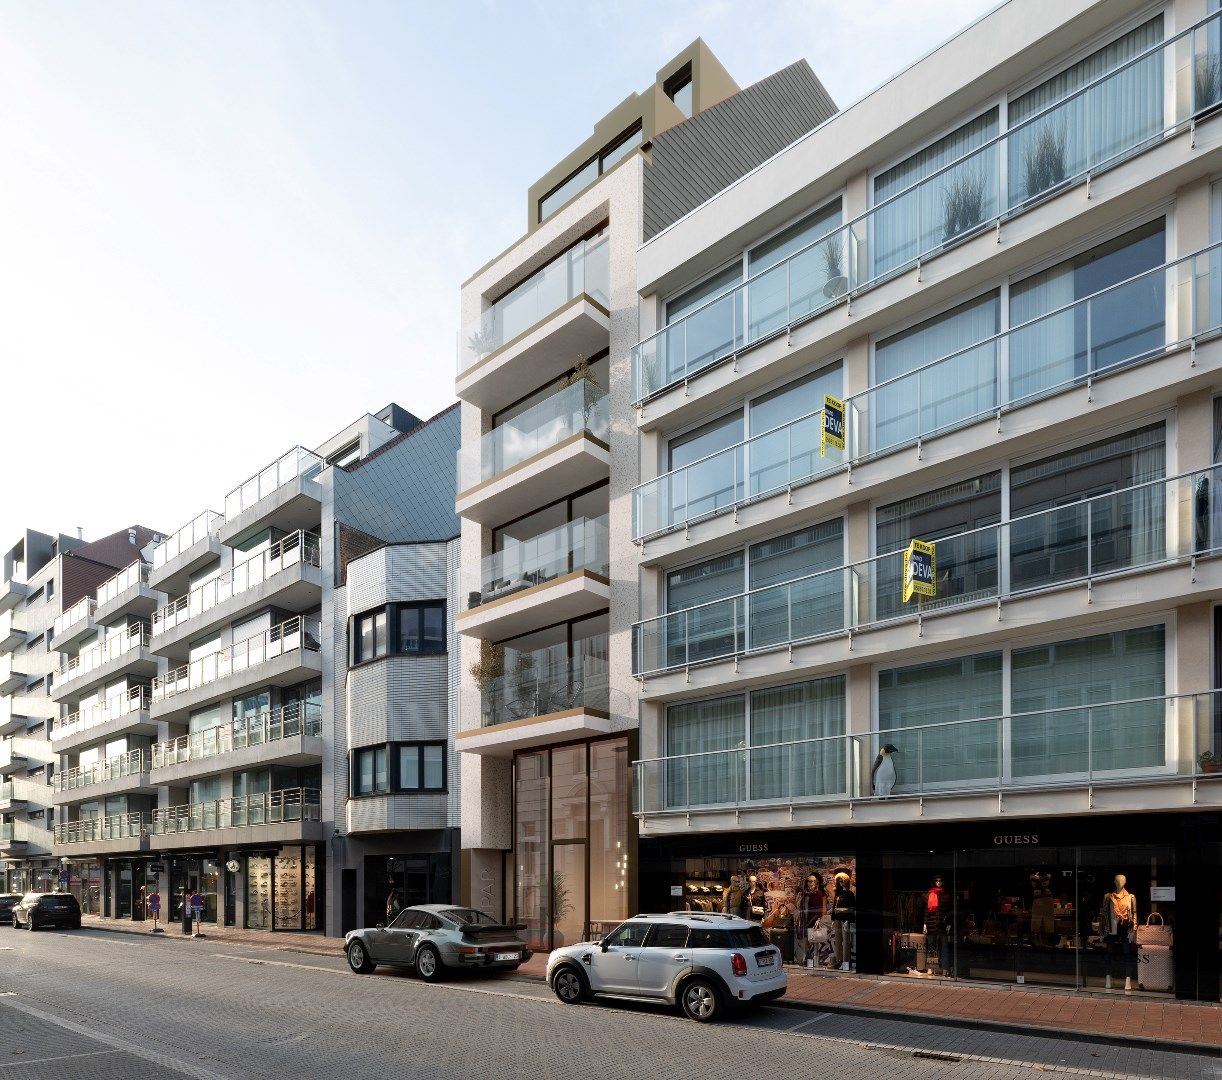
(726, 922)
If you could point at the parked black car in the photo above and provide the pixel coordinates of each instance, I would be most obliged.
(37, 910)
(8, 901)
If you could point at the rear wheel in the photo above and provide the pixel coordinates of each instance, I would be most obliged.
(568, 985)
(358, 959)
(30, 923)
(700, 1001)
(428, 964)
(16, 924)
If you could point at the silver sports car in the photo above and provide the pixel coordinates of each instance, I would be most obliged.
(433, 937)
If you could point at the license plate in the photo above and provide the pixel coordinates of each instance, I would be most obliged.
(505, 956)
(765, 959)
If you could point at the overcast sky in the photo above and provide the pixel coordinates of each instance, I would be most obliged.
(230, 227)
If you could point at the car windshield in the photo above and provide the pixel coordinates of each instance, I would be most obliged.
(58, 901)
(469, 917)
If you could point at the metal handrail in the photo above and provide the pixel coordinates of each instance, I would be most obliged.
(78, 612)
(1010, 211)
(576, 545)
(132, 763)
(243, 811)
(198, 528)
(287, 722)
(136, 573)
(297, 462)
(296, 549)
(133, 636)
(135, 700)
(114, 827)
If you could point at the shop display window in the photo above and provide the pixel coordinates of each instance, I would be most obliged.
(806, 904)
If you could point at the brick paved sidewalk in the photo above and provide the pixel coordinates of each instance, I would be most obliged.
(261, 939)
(1033, 1008)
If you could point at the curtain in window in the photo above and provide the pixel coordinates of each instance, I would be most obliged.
(1042, 354)
(700, 628)
(944, 394)
(1093, 671)
(1088, 130)
(787, 761)
(784, 289)
(799, 599)
(704, 740)
(912, 698)
(945, 206)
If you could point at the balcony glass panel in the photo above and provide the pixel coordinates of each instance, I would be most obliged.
(124, 703)
(576, 545)
(112, 768)
(197, 529)
(547, 681)
(297, 463)
(287, 722)
(246, 811)
(133, 636)
(80, 612)
(135, 574)
(579, 407)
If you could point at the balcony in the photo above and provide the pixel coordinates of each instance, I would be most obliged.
(119, 833)
(13, 591)
(550, 697)
(286, 654)
(10, 801)
(288, 816)
(558, 445)
(115, 775)
(1134, 322)
(124, 651)
(12, 631)
(13, 840)
(127, 593)
(542, 326)
(124, 713)
(74, 623)
(287, 576)
(14, 673)
(11, 761)
(560, 574)
(1172, 527)
(284, 495)
(290, 735)
(185, 551)
(1105, 122)
(1099, 757)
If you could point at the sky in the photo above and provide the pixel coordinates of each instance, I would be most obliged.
(227, 228)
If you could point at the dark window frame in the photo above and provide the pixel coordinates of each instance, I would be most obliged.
(394, 778)
(357, 756)
(391, 613)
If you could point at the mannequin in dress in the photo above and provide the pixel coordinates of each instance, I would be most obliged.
(734, 898)
(812, 906)
(935, 927)
(844, 913)
(757, 901)
(1118, 925)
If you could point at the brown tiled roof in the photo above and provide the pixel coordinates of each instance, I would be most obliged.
(115, 550)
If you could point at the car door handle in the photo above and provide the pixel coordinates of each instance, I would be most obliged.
(680, 956)
(630, 958)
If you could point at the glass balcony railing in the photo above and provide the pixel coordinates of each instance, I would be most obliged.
(92, 829)
(578, 545)
(130, 638)
(112, 768)
(135, 700)
(1141, 527)
(1134, 741)
(297, 463)
(584, 268)
(198, 528)
(1115, 115)
(1128, 323)
(287, 722)
(580, 407)
(128, 578)
(548, 681)
(78, 614)
(296, 549)
(246, 811)
(293, 635)
(7, 793)
(8, 834)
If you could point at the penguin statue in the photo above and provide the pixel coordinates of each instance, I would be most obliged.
(882, 776)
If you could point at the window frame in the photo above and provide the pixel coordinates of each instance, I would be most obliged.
(359, 755)
(394, 784)
(390, 616)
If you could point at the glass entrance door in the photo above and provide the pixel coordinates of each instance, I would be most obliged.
(123, 897)
(568, 893)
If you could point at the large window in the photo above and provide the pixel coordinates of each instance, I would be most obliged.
(369, 771)
(399, 767)
(410, 629)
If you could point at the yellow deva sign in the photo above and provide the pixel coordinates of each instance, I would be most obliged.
(832, 433)
(920, 571)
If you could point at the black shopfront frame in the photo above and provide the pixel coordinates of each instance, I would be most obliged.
(1193, 839)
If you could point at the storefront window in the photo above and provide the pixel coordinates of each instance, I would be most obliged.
(259, 892)
(530, 846)
(609, 870)
(289, 894)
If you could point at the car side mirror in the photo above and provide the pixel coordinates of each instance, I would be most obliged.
(380, 926)
(603, 945)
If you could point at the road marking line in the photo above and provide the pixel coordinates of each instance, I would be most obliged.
(183, 1068)
(61, 1057)
(806, 1023)
(277, 963)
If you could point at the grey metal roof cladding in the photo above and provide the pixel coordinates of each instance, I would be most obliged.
(692, 162)
(404, 491)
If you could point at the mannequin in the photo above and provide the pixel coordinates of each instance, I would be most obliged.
(812, 906)
(1042, 922)
(1118, 925)
(757, 902)
(935, 926)
(734, 898)
(844, 912)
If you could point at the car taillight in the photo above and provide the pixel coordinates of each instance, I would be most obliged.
(739, 964)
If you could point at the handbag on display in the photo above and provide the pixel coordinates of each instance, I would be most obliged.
(821, 932)
(1154, 969)
(1149, 933)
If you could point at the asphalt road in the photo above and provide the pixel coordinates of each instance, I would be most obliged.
(94, 1005)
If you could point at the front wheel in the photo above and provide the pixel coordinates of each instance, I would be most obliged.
(358, 959)
(30, 923)
(568, 987)
(700, 1001)
(428, 964)
(16, 924)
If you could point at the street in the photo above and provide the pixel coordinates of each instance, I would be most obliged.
(98, 1005)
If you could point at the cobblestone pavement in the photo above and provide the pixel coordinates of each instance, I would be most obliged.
(102, 1006)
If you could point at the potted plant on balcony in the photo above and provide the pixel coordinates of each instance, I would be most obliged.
(1044, 165)
(1210, 762)
(489, 666)
(582, 373)
(1207, 82)
(483, 341)
(833, 259)
(962, 204)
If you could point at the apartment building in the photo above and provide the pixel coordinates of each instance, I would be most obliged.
(926, 528)
(205, 745)
(548, 704)
(54, 597)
